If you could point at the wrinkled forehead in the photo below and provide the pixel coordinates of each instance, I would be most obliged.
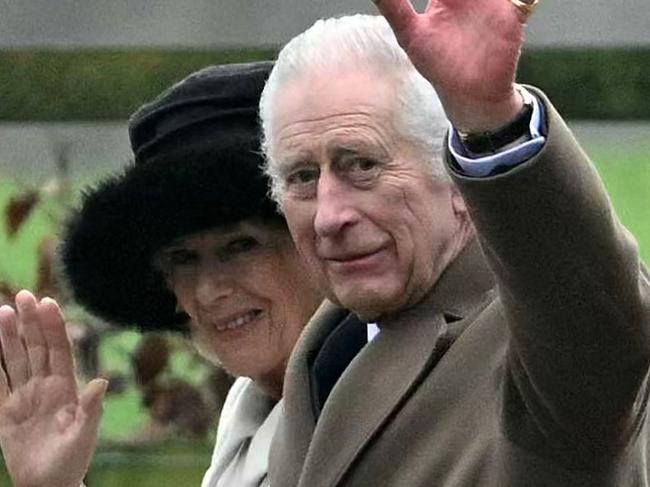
(349, 106)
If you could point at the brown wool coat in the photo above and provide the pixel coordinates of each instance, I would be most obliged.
(545, 384)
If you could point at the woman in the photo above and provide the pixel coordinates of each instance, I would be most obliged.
(185, 239)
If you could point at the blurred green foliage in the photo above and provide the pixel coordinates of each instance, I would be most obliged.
(597, 83)
(96, 84)
(604, 83)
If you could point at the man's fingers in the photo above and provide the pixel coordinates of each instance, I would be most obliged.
(56, 337)
(14, 355)
(525, 8)
(400, 14)
(30, 328)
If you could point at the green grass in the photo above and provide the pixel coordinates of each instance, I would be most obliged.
(19, 253)
(167, 465)
(17, 264)
(170, 464)
(627, 178)
(123, 412)
(123, 415)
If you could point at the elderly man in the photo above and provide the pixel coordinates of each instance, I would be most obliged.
(519, 363)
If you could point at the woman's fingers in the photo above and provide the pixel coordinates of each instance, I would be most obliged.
(56, 338)
(30, 329)
(91, 398)
(34, 342)
(14, 356)
(4, 386)
(4, 379)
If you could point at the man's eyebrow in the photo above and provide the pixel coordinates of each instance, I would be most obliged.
(356, 148)
(289, 161)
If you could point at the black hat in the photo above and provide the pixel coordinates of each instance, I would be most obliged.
(197, 165)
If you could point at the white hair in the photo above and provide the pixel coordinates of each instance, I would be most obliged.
(358, 42)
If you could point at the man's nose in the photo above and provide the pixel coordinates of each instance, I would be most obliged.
(334, 210)
(212, 284)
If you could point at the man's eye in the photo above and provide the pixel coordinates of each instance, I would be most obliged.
(302, 182)
(361, 170)
(362, 164)
(302, 176)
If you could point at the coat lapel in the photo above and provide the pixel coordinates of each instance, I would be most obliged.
(296, 426)
(363, 399)
(387, 371)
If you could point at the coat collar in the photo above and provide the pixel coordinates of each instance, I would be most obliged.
(383, 376)
(296, 426)
(460, 288)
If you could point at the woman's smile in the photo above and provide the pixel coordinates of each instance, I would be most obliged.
(239, 320)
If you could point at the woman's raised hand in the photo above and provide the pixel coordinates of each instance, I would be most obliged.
(48, 430)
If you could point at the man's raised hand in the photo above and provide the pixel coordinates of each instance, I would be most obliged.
(468, 50)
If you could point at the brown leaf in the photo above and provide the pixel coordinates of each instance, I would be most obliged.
(18, 210)
(150, 358)
(7, 293)
(46, 284)
(179, 404)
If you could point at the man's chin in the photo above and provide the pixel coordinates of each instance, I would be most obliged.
(367, 304)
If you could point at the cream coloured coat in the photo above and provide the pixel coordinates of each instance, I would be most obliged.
(246, 425)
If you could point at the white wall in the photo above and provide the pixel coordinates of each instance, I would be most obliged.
(220, 23)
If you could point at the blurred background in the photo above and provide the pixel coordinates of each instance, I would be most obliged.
(72, 71)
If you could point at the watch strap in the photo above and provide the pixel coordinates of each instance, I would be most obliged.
(493, 141)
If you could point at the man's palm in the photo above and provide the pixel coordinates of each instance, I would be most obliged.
(467, 49)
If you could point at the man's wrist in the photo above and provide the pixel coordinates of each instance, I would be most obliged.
(473, 116)
(511, 155)
(491, 142)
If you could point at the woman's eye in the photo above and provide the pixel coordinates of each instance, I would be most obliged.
(242, 244)
(236, 248)
(179, 258)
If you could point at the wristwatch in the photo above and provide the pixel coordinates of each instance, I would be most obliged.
(494, 140)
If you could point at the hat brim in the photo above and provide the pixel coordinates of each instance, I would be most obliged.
(110, 243)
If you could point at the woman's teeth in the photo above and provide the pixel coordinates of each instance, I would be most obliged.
(239, 321)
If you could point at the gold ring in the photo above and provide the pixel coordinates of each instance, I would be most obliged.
(526, 8)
